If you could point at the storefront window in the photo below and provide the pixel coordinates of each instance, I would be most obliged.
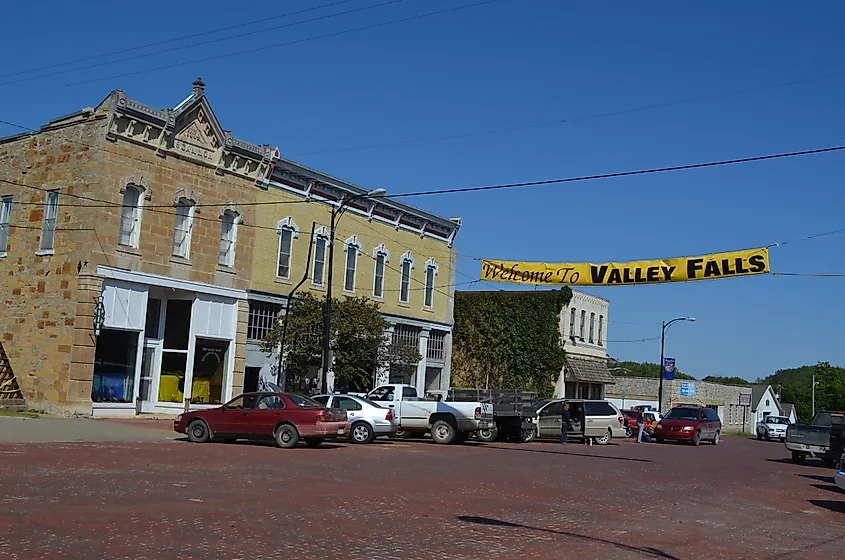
(114, 367)
(210, 363)
(171, 385)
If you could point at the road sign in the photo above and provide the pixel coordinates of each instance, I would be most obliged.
(745, 399)
(687, 389)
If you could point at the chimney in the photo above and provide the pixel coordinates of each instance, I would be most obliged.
(199, 87)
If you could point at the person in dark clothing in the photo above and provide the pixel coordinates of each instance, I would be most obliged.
(641, 433)
(564, 422)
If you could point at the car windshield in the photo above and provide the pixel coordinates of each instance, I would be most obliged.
(540, 405)
(302, 401)
(682, 414)
(777, 420)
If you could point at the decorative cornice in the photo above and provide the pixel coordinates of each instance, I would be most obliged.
(140, 182)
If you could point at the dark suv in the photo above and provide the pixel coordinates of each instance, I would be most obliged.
(691, 424)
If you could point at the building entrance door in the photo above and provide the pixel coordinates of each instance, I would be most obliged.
(150, 365)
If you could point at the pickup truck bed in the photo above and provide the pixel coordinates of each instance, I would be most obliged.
(813, 440)
(511, 409)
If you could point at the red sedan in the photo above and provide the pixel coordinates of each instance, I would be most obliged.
(284, 417)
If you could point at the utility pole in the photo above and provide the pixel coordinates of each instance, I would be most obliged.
(814, 394)
(337, 211)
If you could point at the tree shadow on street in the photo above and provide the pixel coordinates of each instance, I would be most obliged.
(648, 551)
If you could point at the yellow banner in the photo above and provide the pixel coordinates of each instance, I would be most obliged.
(682, 269)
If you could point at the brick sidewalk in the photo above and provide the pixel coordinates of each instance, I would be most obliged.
(416, 500)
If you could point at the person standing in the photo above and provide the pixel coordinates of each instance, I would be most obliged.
(640, 425)
(564, 422)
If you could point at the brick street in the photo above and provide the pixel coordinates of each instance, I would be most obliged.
(414, 499)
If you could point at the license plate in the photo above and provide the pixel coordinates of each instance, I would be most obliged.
(340, 431)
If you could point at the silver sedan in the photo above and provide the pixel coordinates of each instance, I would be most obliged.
(367, 419)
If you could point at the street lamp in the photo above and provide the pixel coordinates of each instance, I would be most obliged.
(337, 212)
(662, 345)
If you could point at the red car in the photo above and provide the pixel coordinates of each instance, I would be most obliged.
(691, 424)
(285, 417)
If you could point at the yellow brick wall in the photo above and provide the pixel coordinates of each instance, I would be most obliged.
(369, 234)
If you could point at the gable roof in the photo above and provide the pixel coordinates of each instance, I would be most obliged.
(788, 409)
(587, 370)
(757, 394)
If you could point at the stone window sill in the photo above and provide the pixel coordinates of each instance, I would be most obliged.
(179, 260)
(127, 250)
(226, 269)
(45, 252)
(281, 280)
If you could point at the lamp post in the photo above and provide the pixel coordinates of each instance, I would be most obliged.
(662, 346)
(337, 211)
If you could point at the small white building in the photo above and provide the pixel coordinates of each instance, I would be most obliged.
(764, 402)
(789, 412)
(583, 327)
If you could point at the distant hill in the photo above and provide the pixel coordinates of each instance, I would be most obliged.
(726, 380)
(637, 369)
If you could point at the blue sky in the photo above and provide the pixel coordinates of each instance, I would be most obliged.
(513, 63)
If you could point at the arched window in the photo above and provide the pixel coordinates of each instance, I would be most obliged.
(321, 242)
(405, 278)
(130, 217)
(228, 236)
(183, 227)
(601, 330)
(351, 247)
(431, 269)
(288, 231)
(381, 256)
(592, 327)
(572, 313)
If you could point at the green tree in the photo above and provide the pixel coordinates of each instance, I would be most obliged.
(358, 340)
(726, 380)
(508, 339)
(642, 369)
(796, 387)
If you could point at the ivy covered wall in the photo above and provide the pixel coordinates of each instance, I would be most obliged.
(508, 339)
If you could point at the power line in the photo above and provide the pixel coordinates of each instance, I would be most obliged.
(819, 275)
(621, 173)
(173, 40)
(574, 119)
(278, 45)
(833, 233)
(202, 43)
(634, 340)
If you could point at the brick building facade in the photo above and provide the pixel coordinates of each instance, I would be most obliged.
(121, 212)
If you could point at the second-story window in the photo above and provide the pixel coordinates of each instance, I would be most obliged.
(130, 217)
(228, 237)
(48, 225)
(352, 248)
(5, 219)
(583, 321)
(405, 280)
(572, 322)
(381, 256)
(430, 272)
(592, 327)
(321, 239)
(183, 227)
(288, 231)
(601, 330)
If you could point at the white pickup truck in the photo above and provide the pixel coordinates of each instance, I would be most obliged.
(448, 422)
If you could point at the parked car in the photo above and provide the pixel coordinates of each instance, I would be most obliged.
(367, 419)
(596, 419)
(813, 440)
(772, 427)
(689, 424)
(837, 445)
(285, 417)
(650, 418)
(448, 422)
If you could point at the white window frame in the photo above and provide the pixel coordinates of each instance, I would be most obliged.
(135, 231)
(432, 267)
(351, 243)
(572, 315)
(185, 247)
(320, 234)
(379, 253)
(583, 321)
(227, 259)
(285, 225)
(601, 330)
(48, 223)
(405, 284)
(592, 328)
(5, 223)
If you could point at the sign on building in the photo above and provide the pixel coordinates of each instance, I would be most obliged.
(687, 389)
(745, 399)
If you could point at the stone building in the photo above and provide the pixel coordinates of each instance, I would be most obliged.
(583, 327)
(731, 402)
(143, 256)
(125, 265)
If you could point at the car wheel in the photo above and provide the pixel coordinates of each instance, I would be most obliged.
(605, 439)
(661, 440)
(361, 433)
(314, 442)
(487, 436)
(716, 438)
(759, 435)
(443, 432)
(198, 432)
(528, 434)
(286, 436)
(798, 457)
(767, 437)
(696, 439)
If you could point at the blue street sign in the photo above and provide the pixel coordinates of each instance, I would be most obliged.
(669, 368)
(687, 389)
